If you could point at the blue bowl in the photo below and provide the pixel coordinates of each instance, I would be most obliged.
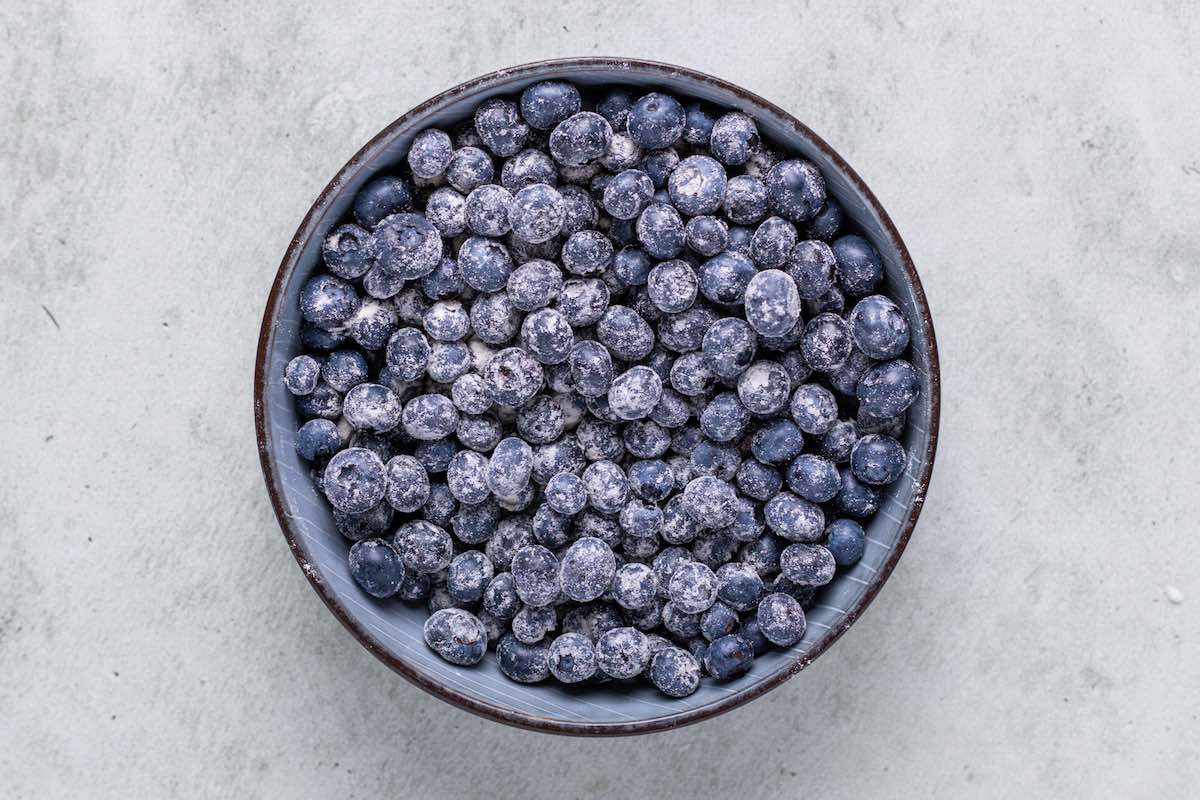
(392, 630)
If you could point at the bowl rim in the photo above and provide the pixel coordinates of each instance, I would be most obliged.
(546, 69)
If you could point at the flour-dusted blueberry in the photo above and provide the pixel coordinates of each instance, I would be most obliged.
(514, 377)
(719, 460)
(457, 636)
(406, 245)
(572, 658)
(642, 520)
(429, 154)
(622, 154)
(623, 331)
(672, 410)
(712, 549)
(607, 487)
(382, 445)
(729, 657)
(634, 586)
(469, 168)
(317, 439)
(706, 235)
(527, 168)
(501, 127)
(345, 369)
(659, 164)
(408, 353)
(614, 106)
(729, 346)
(448, 361)
(545, 104)
(566, 494)
(487, 210)
(345, 252)
(740, 237)
(680, 623)
(479, 432)
(806, 565)
(813, 408)
(672, 286)
(425, 547)
(645, 439)
(580, 138)
(846, 540)
(837, 442)
(627, 194)
(474, 524)
(446, 211)
(564, 455)
(697, 185)
(470, 394)
(757, 480)
(796, 189)
(879, 327)
(407, 484)
(794, 518)
(693, 587)
(373, 324)
(845, 378)
(430, 417)
(547, 335)
(535, 571)
(745, 201)
(536, 213)
(301, 375)
(675, 672)
(447, 321)
(591, 368)
(877, 460)
(623, 653)
(724, 418)
(551, 529)
(532, 623)
(764, 387)
(814, 478)
(739, 585)
(493, 318)
(733, 138)
(752, 633)
(587, 569)
(886, 390)
(541, 420)
(535, 284)
(828, 221)
(583, 301)
(724, 277)
(579, 211)
(587, 253)
(328, 301)
(510, 467)
(691, 376)
(781, 619)
(315, 337)
(772, 303)
(634, 393)
(859, 265)
(827, 342)
(660, 231)
(469, 573)
(467, 477)
(747, 524)
(380, 198)
(500, 597)
(376, 567)
(719, 620)
(773, 242)
(655, 121)
(354, 480)
(435, 455)
(698, 124)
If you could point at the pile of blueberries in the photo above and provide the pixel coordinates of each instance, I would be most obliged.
(604, 381)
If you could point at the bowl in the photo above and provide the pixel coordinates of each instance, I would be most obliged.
(392, 631)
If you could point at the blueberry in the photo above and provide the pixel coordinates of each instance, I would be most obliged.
(487, 210)
(753, 634)
(814, 408)
(614, 106)
(523, 663)
(547, 336)
(794, 518)
(535, 284)
(494, 319)
(430, 417)
(846, 540)
(376, 567)
(725, 276)
(814, 478)
(315, 337)
(457, 636)
(545, 104)
(747, 525)
(591, 368)
(828, 221)
(724, 418)
(740, 238)
(659, 165)
(645, 439)
(520, 501)
(345, 369)
(372, 325)
(729, 347)
(425, 547)
(635, 586)
(705, 235)
(729, 657)
(587, 253)
(317, 438)
(879, 327)
(448, 361)
(806, 565)
(763, 554)
(635, 393)
(470, 394)
(631, 266)
(514, 377)
(564, 455)
(327, 301)
(764, 387)
(535, 571)
(447, 321)
(607, 487)
(856, 499)
(886, 390)
(836, 443)
(407, 484)
(323, 401)
(446, 210)
(660, 231)
(772, 303)
(757, 480)
(469, 168)
(415, 588)
(710, 502)
(719, 460)
(698, 124)
(500, 126)
(467, 477)
(675, 672)
(672, 411)
(476, 524)
(859, 265)
(781, 619)
(739, 586)
(572, 658)
(625, 333)
(655, 121)
(773, 242)
(301, 374)
(500, 597)
(345, 252)
(566, 494)
(733, 137)
(435, 455)
(510, 467)
(877, 460)
(795, 189)
(410, 304)
(672, 286)
(536, 213)
(541, 420)
(381, 198)
(469, 573)
(439, 508)
(628, 193)
(587, 569)
(827, 342)
(354, 480)
(697, 185)
(527, 168)
(745, 201)
(623, 652)
(429, 154)
(622, 154)
(580, 138)
(583, 301)
(532, 623)
(811, 265)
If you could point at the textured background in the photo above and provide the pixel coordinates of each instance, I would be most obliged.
(1038, 638)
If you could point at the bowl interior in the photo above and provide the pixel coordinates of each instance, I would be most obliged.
(392, 630)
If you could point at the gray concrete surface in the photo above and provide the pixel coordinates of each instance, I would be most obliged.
(1039, 638)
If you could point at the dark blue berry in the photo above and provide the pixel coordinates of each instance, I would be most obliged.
(698, 124)
(425, 547)
(706, 235)
(407, 484)
(376, 567)
(475, 524)
(532, 623)
(879, 327)
(545, 104)
(301, 374)
(729, 657)
(566, 494)
(828, 221)
(622, 154)
(733, 138)
(655, 121)
(710, 502)
(499, 124)
(859, 265)
(846, 540)
(467, 476)
(527, 168)
(587, 569)
(315, 337)
(877, 460)
(580, 138)
(429, 154)
(795, 189)
(513, 376)
(724, 277)
(536, 213)
(587, 253)
(448, 361)
(739, 586)
(772, 242)
(469, 168)
(660, 231)
(430, 417)
(814, 408)
(724, 418)
(572, 658)
(372, 325)
(625, 333)
(772, 303)
(794, 518)
(446, 210)
(659, 164)
(535, 571)
(500, 597)
(317, 438)
(719, 460)
(806, 565)
(564, 455)
(827, 342)
(523, 663)
(327, 301)
(697, 185)
(535, 284)
(381, 198)
(508, 537)
(345, 252)
(745, 201)
(781, 619)
(614, 106)
(836, 443)
(345, 369)
(814, 478)
(777, 442)
(354, 480)
(764, 387)
(323, 401)
(753, 634)
(886, 390)
(623, 652)
(406, 245)
(729, 346)
(469, 573)
(756, 480)
(627, 194)
(856, 499)
(634, 393)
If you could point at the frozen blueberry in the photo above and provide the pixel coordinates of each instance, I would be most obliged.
(753, 634)
(811, 265)
(407, 484)
(301, 374)
(631, 265)
(457, 636)
(487, 210)
(845, 378)
(500, 597)
(796, 189)
(781, 619)
(813, 408)
(345, 369)
(692, 586)
(859, 265)
(772, 303)
(814, 478)
(587, 569)
(655, 121)
(467, 477)
(622, 154)
(698, 124)
(583, 301)
(614, 106)
(429, 154)
(745, 201)
(587, 253)
(827, 342)
(372, 325)
(739, 586)
(545, 104)
(660, 231)
(877, 460)
(607, 487)
(635, 586)
(527, 168)
(572, 658)
(376, 567)
(354, 480)
(327, 301)
(425, 547)
(345, 252)
(794, 518)
(740, 238)
(532, 623)
(548, 336)
(317, 438)
(435, 455)
(757, 480)
(828, 221)
(729, 346)
(623, 653)
(763, 387)
(477, 524)
(763, 554)
(846, 540)
(805, 565)
(733, 137)
(479, 432)
(523, 663)
(470, 394)
(672, 286)
(380, 284)
(729, 657)
(719, 460)
(469, 168)
(705, 235)
(446, 210)
(836, 443)
(469, 573)
(879, 327)
(494, 319)
(634, 393)
(447, 321)
(408, 353)
(697, 186)
(514, 377)
(591, 368)
(580, 138)
(541, 420)
(430, 417)
(641, 520)
(773, 242)
(724, 277)
(551, 529)
(627, 194)
(675, 672)
(623, 331)
(645, 439)
(886, 390)
(690, 375)
(535, 572)
(536, 214)
(672, 411)
(406, 245)
(659, 164)
(566, 494)
(381, 198)
(510, 467)
(719, 620)
(448, 361)
(520, 501)
(535, 284)
(565, 455)
(500, 126)
(724, 418)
